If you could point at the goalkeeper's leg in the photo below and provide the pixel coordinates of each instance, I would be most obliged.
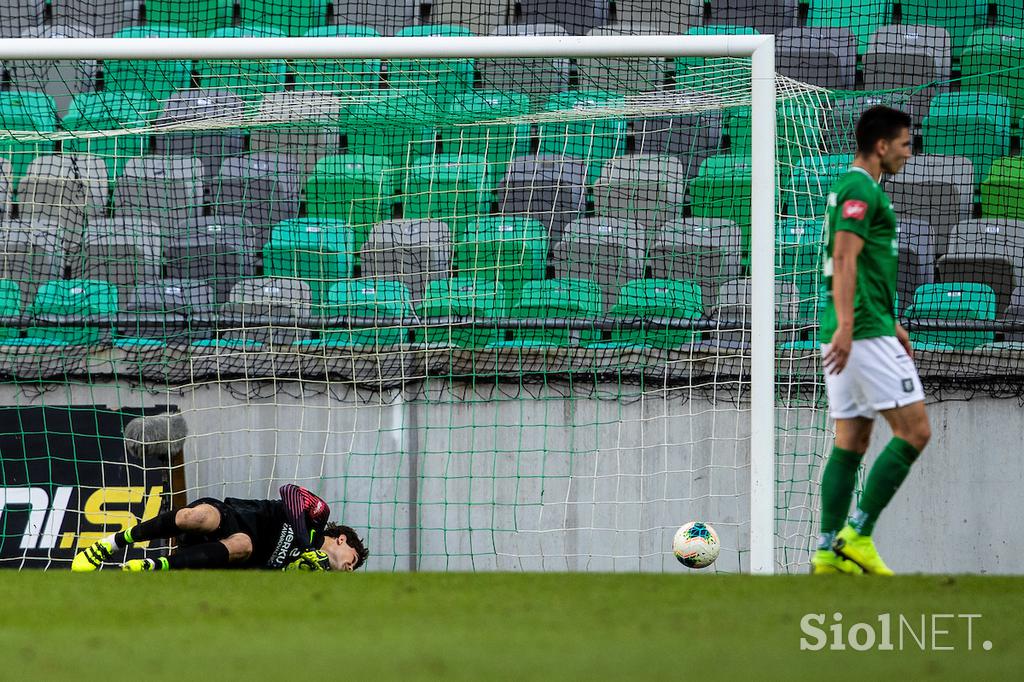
(217, 554)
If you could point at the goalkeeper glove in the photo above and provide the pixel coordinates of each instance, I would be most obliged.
(312, 560)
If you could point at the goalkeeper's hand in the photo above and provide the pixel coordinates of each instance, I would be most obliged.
(312, 560)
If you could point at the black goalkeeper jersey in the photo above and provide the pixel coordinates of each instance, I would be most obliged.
(282, 529)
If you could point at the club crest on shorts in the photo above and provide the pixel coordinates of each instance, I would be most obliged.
(908, 385)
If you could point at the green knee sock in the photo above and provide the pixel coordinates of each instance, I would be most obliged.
(837, 484)
(888, 472)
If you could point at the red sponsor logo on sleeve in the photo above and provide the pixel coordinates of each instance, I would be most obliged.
(854, 209)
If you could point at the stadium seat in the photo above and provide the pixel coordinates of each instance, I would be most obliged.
(386, 16)
(269, 309)
(706, 250)
(916, 259)
(20, 15)
(463, 296)
(843, 109)
(733, 306)
(608, 251)
(412, 252)
(571, 299)
(70, 299)
(511, 250)
(538, 79)
(30, 255)
(97, 111)
(166, 190)
(354, 188)
(6, 189)
(384, 301)
(645, 299)
(63, 188)
(1015, 313)
(276, 126)
(442, 80)
(212, 147)
(10, 306)
(481, 16)
(1002, 192)
(974, 124)
(25, 110)
(346, 77)
(960, 17)
(625, 75)
(805, 192)
(937, 189)
(799, 131)
(292, 18)
(1008, 12)
(672, 16)
(249, 79)
(992, 61)
(909, 57)
(214, 250)
(104, 17)
(199, 17)
(826, 57)
(398, 126)
(499, 143)
(799, 245)
(160, 79)
(863, 17)
(691, 137)
(449, 187)
(766, 17)
(987, 252)
(576, 17)
(646, 188)
(722, 190)
(593, 139)
(318, 251)
(62, 80)
(174, 300)
(548, 187)
(122, 251)
(716, 73)
(262, 188)
(952, 301)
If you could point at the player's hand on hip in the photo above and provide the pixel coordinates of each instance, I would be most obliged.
(839, 350)
(903, 336)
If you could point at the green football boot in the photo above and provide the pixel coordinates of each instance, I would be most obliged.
(93, 556)
(827, 562)
(860, 549)
(140, 565)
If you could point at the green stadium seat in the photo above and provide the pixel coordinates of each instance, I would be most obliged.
(654, 298)
(160, 79)
(953, 301)
(196, 16)
(462, 297)
(959, 17)
(10, 306)
(398, 126)
(993, 61)
(352, 77)
(558, 298)
(798, 248)
(809, 184)
(70, 298)
(354, 188)
(971, 124)
(593, 140)
(249, 79)
(293, 17)
(498, 143)
(700, 73)
(862, 17)
(94, 111)
(449, 187)
(318, 251)
(368, 298)
(28, 111)
(1002, 192)
(1008, 12)
(722, 190)
(511, 250)
(442, 80)
(798, 130)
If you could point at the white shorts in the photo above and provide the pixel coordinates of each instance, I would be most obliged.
(879, 375)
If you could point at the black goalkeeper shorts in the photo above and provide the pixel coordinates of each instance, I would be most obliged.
(232, 520)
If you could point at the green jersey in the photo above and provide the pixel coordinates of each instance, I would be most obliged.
(859, 205)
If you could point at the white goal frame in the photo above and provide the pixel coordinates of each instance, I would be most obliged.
(760, 49)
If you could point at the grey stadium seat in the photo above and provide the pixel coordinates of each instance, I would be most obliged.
(650, 189)
(935, 188)
(104, 17)
(216, 250)
(6, 188)
(1015, 312)
(608, 251)
(20, 15)
(707, 250)
(64, 188)
(843, 111)
(413, 252)
(733, 305)
(30, 254)
(826, 57)
(125, 252)
(307, 143)
(901, 57)
(575, 17)
(210, 146)
(988, 252)
(629, 75)
(177, 300)
(673, 16)
(167, 190)
(536, 78)
(387, 16)
(916, 259)
(262, 188)
(62, 79)
(767, 17)
(691, 137)
(254, 300)
(548, 187)
(481, 16)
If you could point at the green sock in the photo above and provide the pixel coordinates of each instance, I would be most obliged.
(887, 473)
(837, 484)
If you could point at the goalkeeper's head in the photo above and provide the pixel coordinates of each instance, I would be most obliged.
(344, 548)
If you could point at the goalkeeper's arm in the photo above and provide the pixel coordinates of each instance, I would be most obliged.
(303, 509)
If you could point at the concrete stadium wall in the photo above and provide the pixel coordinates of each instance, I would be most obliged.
(544, 478)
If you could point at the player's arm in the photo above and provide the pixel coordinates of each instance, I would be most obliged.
(850, 231)
(302, 510)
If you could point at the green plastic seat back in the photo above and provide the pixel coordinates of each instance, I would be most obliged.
(196, 16)
(954, 301)
(448, 187)
(316, 250)
(353, 77)
(439, 79)
(498, 143)
(355, 188)
(159, 78)
(93, 111)
(69, 298)
(249, 79)
(463, 296)
(292, 18)
(594, 140)
(559, 298)
(367, 298)
(657, 298)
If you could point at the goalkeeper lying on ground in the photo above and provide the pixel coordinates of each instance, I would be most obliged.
(290, 533)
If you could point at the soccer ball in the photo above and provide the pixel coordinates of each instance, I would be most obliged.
(696, 545)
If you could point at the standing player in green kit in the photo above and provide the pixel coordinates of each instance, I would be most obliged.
(869, 368)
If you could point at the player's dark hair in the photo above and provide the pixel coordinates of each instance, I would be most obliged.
(879, 123)
(334, 530)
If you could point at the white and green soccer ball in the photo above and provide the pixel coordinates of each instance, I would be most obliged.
(696, 545)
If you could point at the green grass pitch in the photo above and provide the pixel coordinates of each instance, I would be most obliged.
(255, 626)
